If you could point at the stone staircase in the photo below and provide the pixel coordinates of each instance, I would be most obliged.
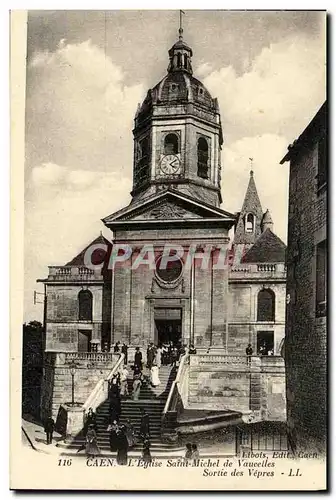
(152, 400)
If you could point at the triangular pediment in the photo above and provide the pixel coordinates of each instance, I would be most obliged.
(167, 206)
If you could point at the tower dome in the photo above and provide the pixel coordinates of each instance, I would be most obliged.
(178, 134)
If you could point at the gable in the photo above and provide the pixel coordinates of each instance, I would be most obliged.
(168, 206)
(98, 256)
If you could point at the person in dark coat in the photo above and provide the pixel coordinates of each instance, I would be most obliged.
(138, 359)
(144, 425)
(150, 355)
(189, 451)
(124, 349)
(49, 428)
(192, 349)
(146, 454)
(113, 430)
(249, 352)
(122, 446)
(116, 348)
(90, 419)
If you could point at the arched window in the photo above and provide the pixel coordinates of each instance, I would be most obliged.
(266, 305)
(249, 223)
(202, 158)
(171, 145)
(85, 305)
(179, 60)
(185, 61)
(144, 148)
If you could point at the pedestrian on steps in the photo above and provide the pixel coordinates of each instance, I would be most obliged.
(154, 377)
(124, 382)
(138, 359)
(195, 452)
(137, 383)
(146, 453)
(144, 425)
(158, 357)
(122, 446)
(124, 349)
(116, 347)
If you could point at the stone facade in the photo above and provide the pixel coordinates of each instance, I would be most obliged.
(175, 201)
(306, 333)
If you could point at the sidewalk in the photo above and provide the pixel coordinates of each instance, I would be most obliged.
(37, 439)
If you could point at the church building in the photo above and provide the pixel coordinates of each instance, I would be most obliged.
(214, 292)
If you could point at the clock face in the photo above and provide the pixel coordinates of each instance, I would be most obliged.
(170, 164)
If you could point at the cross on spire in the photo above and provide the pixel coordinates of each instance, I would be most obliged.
(251, 171)
(181, 27)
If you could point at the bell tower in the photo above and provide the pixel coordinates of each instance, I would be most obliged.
(178, 134)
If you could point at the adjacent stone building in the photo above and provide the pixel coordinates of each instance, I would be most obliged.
(306, 315)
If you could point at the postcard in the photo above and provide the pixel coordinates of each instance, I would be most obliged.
(168, 250)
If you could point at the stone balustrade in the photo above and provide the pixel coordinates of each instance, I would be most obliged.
(73, 273)
(100, 357)
(266, 268)
(253, 271)
(82, 359)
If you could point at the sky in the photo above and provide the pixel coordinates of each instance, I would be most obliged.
(88, 70)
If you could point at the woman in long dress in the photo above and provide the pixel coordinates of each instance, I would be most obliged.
(130, 434)
(91, 447)
(136, 386)
(158, 357)
(155, 376)
(124, 382)
(122, 446)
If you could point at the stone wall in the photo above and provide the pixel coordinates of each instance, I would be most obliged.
(305, 333)
(57, 388)
(243, 326)
(226, 382)
(62, 322)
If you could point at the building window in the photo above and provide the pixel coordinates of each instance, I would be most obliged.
(321, 279)
(171, 144)
(202, 158)
(249, 223)
(322, 162)
(142, 169)
(266, 305)
(169, 271)
(265, 343)
(85, 305)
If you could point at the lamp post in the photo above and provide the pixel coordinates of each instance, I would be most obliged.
(72, 367)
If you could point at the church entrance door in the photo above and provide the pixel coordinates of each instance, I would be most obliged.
(168, 326)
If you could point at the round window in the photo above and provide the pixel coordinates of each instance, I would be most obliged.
(169, 271)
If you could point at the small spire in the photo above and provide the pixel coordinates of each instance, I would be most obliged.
(251, 171)
(181, 28)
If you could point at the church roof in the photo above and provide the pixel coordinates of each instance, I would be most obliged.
(268, 248)
(98, 255)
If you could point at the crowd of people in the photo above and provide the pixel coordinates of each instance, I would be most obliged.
(123, 436)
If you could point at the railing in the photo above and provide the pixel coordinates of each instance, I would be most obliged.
(73, 272)
(175, 393)
(266, 268)
(101, 357)
(223, 359)
(100, 392)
